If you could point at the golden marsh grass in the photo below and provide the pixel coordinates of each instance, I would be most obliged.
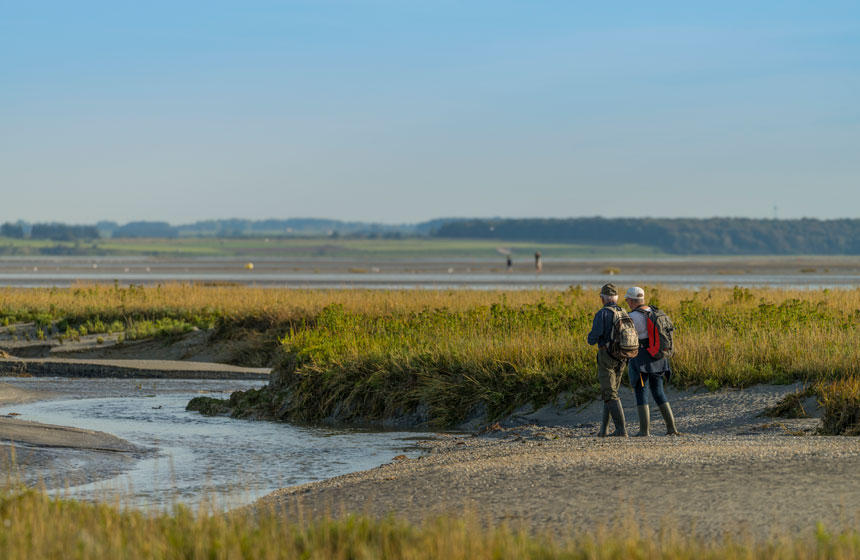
(375, 353)
(36, 526)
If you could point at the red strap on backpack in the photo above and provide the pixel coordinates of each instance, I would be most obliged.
(653, 338)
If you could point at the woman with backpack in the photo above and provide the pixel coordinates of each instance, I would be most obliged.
(651, 364)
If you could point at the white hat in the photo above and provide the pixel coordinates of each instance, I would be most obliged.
(635, 293)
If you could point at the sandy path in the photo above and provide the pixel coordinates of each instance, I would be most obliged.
(172, 369)
(718, 479)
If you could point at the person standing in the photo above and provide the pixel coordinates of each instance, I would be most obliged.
(645, 369)
(609, 368)
(538, 262)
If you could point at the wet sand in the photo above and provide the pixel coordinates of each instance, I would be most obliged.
(748, 475)
(32, 447)
(77, 456)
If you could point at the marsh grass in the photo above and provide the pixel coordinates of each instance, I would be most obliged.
(35, 525)
(371, 354)
(447, 361)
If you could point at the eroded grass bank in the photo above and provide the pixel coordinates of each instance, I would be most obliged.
(37, 526)
(441, 364)
(439, 355)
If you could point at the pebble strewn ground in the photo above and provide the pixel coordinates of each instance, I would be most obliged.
(746, 474)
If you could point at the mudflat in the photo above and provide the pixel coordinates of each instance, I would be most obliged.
(33, 447)
(750, 475)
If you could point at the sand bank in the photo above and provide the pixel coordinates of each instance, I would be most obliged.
(734, 472)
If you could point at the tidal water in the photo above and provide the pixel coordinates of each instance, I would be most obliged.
(190, 458)
(434, 273)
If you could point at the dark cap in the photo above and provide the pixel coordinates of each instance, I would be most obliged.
(608, 290)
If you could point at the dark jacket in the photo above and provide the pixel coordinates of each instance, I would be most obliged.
(644, 362)
(601, 327)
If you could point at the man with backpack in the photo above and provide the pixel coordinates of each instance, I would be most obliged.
(615, 336)
(656, 345)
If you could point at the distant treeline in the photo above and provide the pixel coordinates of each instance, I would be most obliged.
(715, 236)
(291, 227)
(257, 228)
(52, 231)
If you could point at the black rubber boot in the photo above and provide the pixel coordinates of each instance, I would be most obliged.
(644, 420)
(605, 421)
(666, 411)
(617, 413)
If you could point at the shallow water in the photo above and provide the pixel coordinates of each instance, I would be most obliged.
(194, 457)
(435, 273)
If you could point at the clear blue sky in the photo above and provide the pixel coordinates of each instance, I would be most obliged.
(400, 111)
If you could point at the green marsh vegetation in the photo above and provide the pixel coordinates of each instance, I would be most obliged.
(35, 525)
(448, 360)
(365, 354)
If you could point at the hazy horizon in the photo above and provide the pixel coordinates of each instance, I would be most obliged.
(394, 224)
(399, 113)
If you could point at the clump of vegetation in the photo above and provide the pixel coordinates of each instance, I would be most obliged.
(208, 406)
(791, 405)
(841, 401)
(839, 398)
(165, 327)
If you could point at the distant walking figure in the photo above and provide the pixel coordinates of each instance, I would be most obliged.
(510, 263)
(651, 364)
(538, 262)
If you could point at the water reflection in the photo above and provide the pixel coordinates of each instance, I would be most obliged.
(195, 457)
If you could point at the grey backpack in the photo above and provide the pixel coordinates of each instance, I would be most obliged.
(623, 342)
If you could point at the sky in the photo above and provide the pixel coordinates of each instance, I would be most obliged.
(408, 110)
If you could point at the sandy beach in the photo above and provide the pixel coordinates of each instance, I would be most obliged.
(731, 472)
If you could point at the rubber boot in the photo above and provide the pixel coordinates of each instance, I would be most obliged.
(644, 420)
(605, 422)
(617, 413)
(666, 411)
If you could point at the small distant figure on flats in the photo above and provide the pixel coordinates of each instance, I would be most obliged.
(538, 262)
(510, 264)
(651, 365)
(615, 336)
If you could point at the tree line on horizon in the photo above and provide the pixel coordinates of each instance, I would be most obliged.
(716, 236)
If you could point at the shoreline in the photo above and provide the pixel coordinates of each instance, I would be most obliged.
(712, 486)
(30, 447)
(732, 472)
